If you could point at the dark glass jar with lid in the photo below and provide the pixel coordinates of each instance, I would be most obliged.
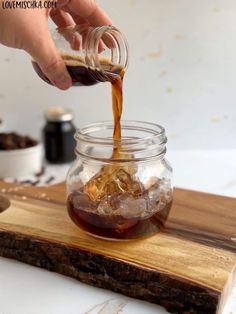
(58, 135)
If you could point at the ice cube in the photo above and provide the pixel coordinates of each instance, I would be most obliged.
(150, 182)
(165, 198)
(126, 183)
(82, 201)
(154, 194)
(106, 206)
(130, 207)
(112, 181)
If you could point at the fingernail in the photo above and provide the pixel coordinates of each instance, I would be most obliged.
(63, 82)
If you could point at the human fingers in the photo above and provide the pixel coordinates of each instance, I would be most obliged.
(83, 28)
(98, 17)
(49, 60)
(61, 18)
(87, 9)
(71, 35)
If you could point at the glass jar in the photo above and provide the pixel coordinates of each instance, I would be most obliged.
(59, 144)
(90, 54)
(120, 198)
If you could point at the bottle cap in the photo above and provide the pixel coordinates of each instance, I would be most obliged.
(58, 114)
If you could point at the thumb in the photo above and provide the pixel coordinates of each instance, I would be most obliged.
(44, 52)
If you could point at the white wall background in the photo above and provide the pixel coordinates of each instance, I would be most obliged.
(182, 75)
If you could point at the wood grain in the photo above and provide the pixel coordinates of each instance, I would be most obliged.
(188, 268)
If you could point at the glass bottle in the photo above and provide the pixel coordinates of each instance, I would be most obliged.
(125, 198)
(90, 54)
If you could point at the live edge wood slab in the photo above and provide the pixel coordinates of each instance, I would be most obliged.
(187, 268)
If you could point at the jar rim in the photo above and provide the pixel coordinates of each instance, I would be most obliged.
(132, 147)
(155, 131)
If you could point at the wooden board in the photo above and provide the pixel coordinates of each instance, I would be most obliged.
(188, 268)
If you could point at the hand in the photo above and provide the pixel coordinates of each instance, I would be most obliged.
(28, 29)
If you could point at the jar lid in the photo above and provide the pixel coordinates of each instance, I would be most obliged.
(58, 114)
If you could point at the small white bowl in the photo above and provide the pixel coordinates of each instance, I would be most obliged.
(21, 162)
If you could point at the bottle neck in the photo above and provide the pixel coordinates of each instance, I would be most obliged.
(105, 47)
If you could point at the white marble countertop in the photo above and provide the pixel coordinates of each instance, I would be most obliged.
(28, 290)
